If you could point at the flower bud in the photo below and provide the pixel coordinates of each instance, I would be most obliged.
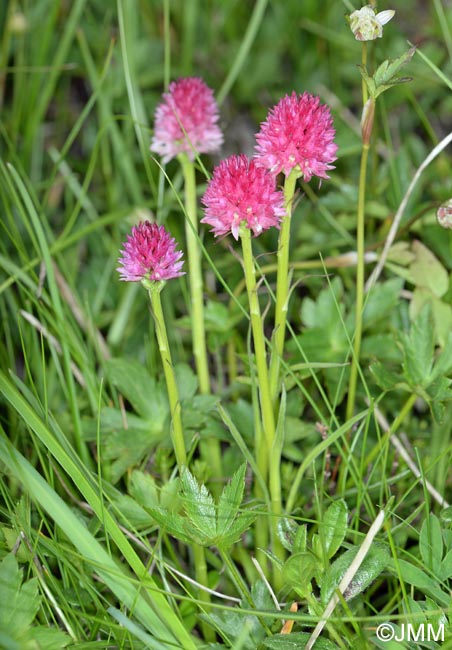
(366, 25)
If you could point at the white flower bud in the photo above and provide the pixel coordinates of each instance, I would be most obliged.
(366, 25)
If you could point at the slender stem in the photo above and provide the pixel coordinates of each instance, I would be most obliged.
(282, 288)
(360, 243)
(177, 434)
(263, 451)
(364, 63)
(211, 447)
(268, 421)
(195, 275)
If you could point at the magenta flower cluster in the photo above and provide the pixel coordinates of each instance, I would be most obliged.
(298, 134)
(186, 120)
(240, 191)
(149, 254)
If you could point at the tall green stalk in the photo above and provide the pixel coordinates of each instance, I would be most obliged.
(360, 244)
(211, 449)
(177, 434)
(367, 122)
(268, 421)
(282, 288)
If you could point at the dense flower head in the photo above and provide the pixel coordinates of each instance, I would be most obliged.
(240, 191)
(149, 254)
(298, 134)
(186, 120)
(367, 25)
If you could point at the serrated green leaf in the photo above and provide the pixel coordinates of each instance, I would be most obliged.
(172, 523)
(333, 528)
(381, 301)
(134, 382)
(386, 379)
(387, 70)
(19, 603)
(443, 362)
(199, 505)
(230, 501)
(240, 525)
(371, 567)
(187, 382)
(431, 544)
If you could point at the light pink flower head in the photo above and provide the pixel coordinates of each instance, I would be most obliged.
(186, 120)
(149, 254)
(298, 134)
(241, 191)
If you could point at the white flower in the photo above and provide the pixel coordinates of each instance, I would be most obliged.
(366, 25)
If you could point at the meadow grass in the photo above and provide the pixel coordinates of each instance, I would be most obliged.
(105, 542)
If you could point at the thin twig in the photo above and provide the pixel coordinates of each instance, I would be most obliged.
(399, 214)
(408, 460)
(348, 577)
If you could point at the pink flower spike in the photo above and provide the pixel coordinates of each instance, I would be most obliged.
(186, 120)
(149, 254)
(298, 134)
(241, 191)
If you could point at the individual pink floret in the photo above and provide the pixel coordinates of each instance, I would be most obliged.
(149, 253)
(186, 120)
(241, 191)
(298, 133)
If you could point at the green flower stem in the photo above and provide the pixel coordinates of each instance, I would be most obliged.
(282, 288)
(195, 275)
(211, 449)
(268, 420)
(364, 63)
(177, 434)
(360, 242)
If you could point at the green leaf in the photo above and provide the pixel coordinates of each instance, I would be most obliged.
(414, 576)
(427, 271)
(371, 567)
(287, 530)
(175, 525)
(386, 379)
(134, 382)
(418, 350)
(381, 301)
(230, 501)
(199, 505)
(187, 382)
(445, 571)
(299, 570)
(19, 603)
(431, 544)
(333, 528)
